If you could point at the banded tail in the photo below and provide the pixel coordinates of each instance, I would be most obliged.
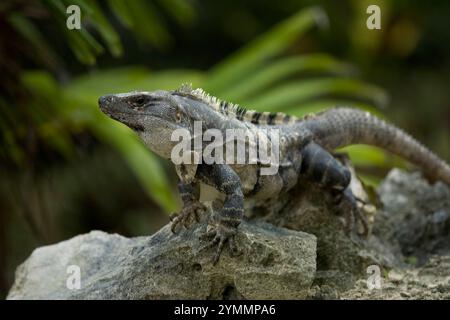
(340, 127)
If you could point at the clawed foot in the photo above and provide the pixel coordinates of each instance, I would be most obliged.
(220, 235)
(357, 217)
(190, 212)
(353, 215)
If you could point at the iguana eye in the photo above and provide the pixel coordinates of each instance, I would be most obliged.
(140, 100)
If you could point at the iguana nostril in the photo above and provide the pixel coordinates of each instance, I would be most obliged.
(104, 100)
(101, 101)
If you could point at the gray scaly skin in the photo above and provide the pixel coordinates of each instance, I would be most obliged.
(305, 151)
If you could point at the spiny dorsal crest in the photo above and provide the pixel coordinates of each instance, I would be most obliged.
(236, 111)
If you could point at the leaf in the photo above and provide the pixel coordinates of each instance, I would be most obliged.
(91, 86)
(45, 112)
(84, 7)
(147, 24)
(32, 34)
(364, 155)
(10, 148)
(82, 44)
(284, 68)
(181, 10)
(40, 81)
(109, 81)
(370, 183)
(80, 48)
(319, 105)
(122, 12)
(58, 7)
(107, 32)
(296, 92)
(269, 44)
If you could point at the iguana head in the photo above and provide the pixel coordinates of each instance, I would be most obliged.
(153, 115)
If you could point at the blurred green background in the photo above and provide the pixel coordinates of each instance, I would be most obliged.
(66, 169)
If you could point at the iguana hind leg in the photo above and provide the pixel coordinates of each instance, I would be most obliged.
(321, 168)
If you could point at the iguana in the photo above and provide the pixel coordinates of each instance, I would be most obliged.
(306, 147)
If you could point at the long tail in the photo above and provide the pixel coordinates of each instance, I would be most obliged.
(340, 127)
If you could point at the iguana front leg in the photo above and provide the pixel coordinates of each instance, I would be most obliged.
(192, 207)
(227, 220)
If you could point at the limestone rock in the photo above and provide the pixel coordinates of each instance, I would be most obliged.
(274, 263)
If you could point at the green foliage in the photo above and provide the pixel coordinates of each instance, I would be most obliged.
(283, 68)
(230, 72)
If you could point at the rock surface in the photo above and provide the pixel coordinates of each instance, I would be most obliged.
(274, 263)
(410, 245)
(341, 257)
(415, 219)
(430, 281)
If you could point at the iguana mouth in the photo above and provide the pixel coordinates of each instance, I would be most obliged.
(122, 117)
(136, 127)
